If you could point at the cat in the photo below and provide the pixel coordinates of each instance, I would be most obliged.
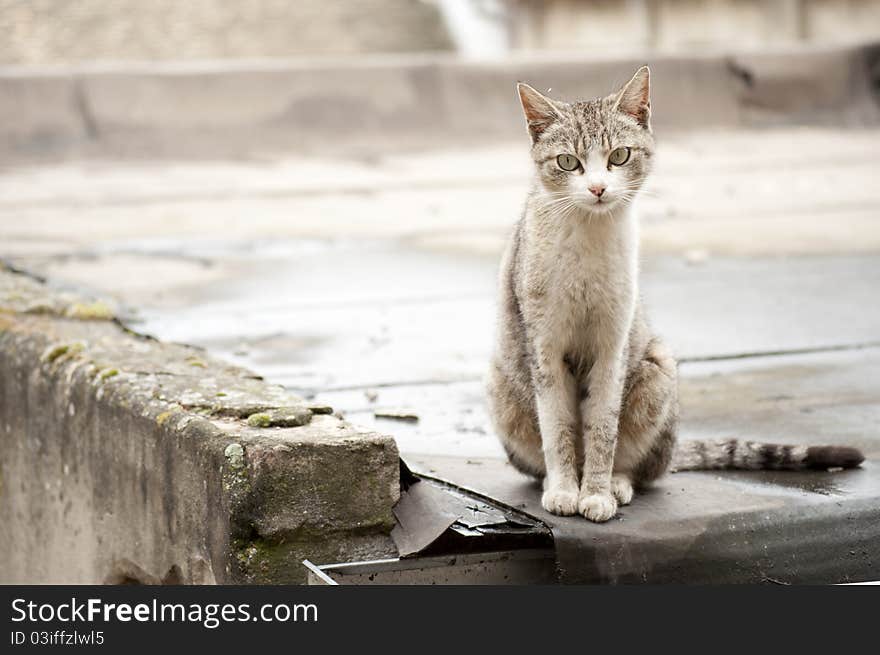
(581, 393)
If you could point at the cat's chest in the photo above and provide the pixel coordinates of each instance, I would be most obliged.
(584, 276)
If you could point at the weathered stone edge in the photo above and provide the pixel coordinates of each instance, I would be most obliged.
(269, 496)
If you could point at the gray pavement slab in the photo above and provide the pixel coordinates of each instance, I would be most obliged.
(820, 527)
(389, 316)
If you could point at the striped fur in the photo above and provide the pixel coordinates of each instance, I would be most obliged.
(726, 454)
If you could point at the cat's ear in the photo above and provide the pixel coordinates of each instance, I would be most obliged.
(635, 97)
(540, 110)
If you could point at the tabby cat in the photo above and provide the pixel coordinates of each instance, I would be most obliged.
(581, 392)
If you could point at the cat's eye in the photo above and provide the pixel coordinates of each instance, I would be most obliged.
(619, 156)
(568, 162)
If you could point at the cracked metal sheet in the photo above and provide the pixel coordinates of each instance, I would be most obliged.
(433, 516)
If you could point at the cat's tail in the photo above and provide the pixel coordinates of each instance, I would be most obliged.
(751, 455)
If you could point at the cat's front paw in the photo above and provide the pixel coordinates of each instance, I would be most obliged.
(598, 507)
(622, 489)
(563, 503)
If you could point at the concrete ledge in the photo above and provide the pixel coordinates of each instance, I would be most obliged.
(127, 459)
(40, 113)
(223, 108)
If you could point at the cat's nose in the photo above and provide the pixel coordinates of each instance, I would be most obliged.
(597, 190)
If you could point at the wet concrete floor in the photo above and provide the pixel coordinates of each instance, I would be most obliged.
(370, 285)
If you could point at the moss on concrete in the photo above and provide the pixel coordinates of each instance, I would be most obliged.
(279, 560)
(89, 311)
(108, 373)
(166, 416)
(259, 420)
(282, 417)
(234, 454)
(53, 353)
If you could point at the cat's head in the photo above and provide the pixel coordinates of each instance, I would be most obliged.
(591, 155)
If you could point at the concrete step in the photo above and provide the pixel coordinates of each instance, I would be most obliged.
(223, 109)
(129, 460)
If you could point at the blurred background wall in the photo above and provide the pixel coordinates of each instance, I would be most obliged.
(46, 31)
(682, 25)
(57, 31)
